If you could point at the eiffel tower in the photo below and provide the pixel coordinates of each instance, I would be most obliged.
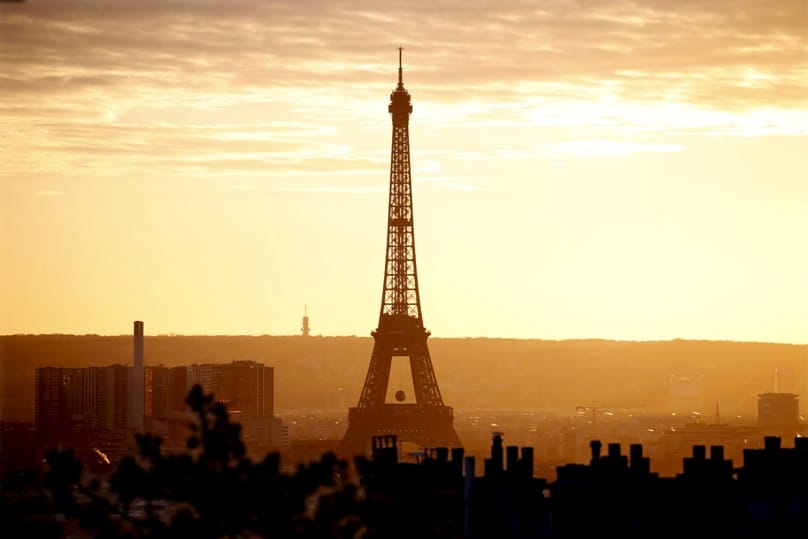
(401, 333)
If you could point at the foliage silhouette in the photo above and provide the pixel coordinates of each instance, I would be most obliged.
(211, 491)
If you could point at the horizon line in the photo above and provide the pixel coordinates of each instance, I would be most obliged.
(297, 335)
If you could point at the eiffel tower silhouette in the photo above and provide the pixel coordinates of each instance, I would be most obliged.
(400, 333)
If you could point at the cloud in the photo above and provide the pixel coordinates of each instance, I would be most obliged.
(597, 148)
(177, 87)
(361, 189)
(292, 188)
(454, 46)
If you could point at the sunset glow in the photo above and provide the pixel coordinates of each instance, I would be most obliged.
(622, 170)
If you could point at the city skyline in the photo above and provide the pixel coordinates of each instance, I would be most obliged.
(629, 171)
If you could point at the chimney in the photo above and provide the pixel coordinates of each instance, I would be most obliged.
(595, 446)
(468, 493)
(385, 449)
(527, 461)
(635, 455)
(137, 390)
(457, 461)
(511, 457)
(496, 461)
(138, 344)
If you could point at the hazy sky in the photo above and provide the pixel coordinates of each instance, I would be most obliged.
(624, 170)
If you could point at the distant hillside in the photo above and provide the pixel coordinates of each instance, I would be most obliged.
(473, 373)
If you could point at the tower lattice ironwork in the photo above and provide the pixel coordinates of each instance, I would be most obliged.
(400, 333)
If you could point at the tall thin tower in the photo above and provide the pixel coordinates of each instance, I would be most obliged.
(137, 390)
(305, 323)
(400, 333)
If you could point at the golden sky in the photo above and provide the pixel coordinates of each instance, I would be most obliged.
(613, 169)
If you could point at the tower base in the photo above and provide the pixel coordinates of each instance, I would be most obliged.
(428, 426)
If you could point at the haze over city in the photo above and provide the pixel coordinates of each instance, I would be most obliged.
(618, 170)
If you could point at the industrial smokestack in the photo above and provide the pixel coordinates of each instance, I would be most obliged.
(137, 388)
(138, 344)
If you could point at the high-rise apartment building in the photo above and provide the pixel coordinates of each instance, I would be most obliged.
(778, 413)
(91, 396)
(121, 397)
(245, 387)
(113, 383)
(48, 399)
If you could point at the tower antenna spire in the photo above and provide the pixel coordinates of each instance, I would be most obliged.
(400, 78)
(305, 329)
